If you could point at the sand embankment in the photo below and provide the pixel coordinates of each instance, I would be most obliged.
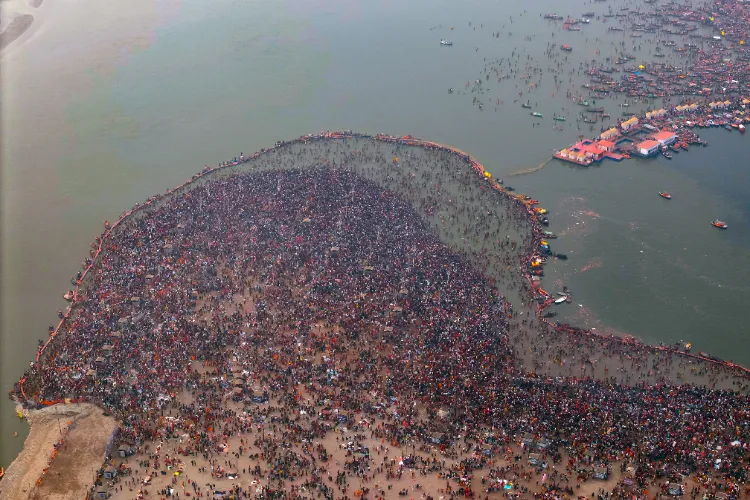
(15, 29)
(85, 430)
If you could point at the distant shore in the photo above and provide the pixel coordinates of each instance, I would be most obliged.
(17, 27)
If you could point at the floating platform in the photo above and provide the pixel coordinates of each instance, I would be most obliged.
(588, 151)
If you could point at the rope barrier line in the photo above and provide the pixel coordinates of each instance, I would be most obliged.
(530, 170)
(403, 140)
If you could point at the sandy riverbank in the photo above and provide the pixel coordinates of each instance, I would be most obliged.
(85, 430)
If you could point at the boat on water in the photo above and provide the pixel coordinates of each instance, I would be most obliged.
(445, 42)
(561, 256)
(68, 295)
(559, 118)
(537, 114)
(666, 195)
(741, 128)
(549, 314)
(562, 299)
(588, 14)
(719, 224)
(526, 105)
(550, 235)
(666, 154)
(566, 47)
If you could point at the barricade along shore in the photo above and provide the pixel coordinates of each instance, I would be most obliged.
(187, 302)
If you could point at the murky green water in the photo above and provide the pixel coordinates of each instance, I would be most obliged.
(99, 116)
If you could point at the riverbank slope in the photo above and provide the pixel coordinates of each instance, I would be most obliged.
(80, 432)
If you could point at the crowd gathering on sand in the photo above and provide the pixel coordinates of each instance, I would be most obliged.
(306, 333)
(320, 328)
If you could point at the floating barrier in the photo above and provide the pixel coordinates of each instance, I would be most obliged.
(529, 170)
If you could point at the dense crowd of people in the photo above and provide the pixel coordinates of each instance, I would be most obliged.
(314, 298)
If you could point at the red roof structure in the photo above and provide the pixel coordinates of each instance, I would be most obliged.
(647, 144)
(664, 135)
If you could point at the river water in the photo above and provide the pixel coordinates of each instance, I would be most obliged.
(98, 115)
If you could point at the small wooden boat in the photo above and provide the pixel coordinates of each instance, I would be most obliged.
(719, 224)
(666, 195)
(562, 299)
(537, 114)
